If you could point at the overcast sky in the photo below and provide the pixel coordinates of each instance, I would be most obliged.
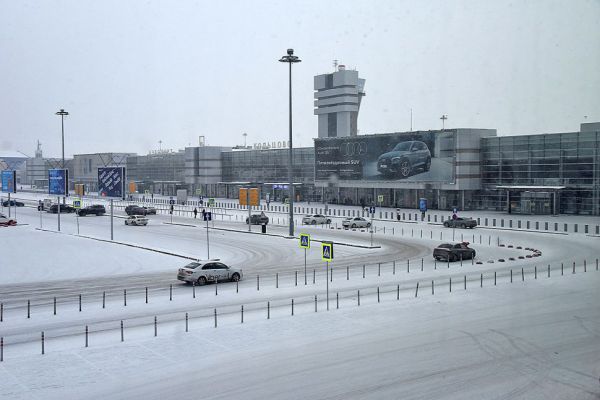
(131, 73)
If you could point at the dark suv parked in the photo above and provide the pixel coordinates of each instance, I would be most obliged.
(94, 209)
(258, 219)
(64, 208)
(135, 210)
(404, 159)
(460, 223)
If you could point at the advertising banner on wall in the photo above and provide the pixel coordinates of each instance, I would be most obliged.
(58, 182)
(9, 181)
(395, 157)
(111, 182)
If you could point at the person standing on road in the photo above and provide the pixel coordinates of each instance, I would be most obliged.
(195, 212)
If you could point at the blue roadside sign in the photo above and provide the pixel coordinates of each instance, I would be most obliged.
(207, 216)
(372, 210)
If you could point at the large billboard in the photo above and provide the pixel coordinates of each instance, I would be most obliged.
(9, 181)
(58, 182)
(414, 157)
(111, 182)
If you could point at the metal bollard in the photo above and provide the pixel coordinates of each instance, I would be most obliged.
(347, 273)
(358, 297)
(573, 266)
(315, 303)
(363, 271)
(417, 290)
(397, 292)
(481, 281)
(494, 278)
(43, 352)
(450, 284)
(86, 336)
(379, 269)
(277, 280)
(54, 303)
(511, 276)
(257, 282)
(79, 303)
(432, 290)
(421, 264)
(378, 294)
(215, 317)
(122, 334)
(337, 300)
(125, 297)
(171, 292)
(155, 326)
(268, 310)
(393, 267)
(465, 282)
(1, 349)
(535, 272)
(146, 294)
(216, 287)
(103, 299)
(522, 275)
(314, 276)
(562, 269)
(28, 309)
(242, 314)
(292, 306)
(548, 270)
(408, 266)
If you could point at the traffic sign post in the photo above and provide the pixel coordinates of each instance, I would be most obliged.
(372, 212)
(76, 206)
(327, 255)
(305, 244)
(207, 216)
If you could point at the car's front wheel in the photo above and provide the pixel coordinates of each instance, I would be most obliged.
(353, 225)
(313, 222)
(201, 281)
(404, 168)
(235, 277)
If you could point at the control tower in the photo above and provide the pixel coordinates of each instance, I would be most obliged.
(337, 102)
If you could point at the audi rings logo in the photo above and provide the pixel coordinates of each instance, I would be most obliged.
(353, 148)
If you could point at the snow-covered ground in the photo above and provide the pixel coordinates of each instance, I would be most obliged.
(534, 337)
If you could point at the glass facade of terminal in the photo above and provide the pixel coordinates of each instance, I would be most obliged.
(161, 173)
(569, 160)
(270, 169)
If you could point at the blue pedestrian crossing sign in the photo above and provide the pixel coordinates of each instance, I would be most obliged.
(305, 241)
(327, 251)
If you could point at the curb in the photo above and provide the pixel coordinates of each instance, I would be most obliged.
(122, 244)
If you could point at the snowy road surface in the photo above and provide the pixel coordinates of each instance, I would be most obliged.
(491, 330)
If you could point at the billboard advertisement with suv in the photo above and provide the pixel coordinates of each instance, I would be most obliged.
(58, 182)
(111, 182)
(397, 157)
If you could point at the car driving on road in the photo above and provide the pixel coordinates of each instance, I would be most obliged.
(150, 210)
(453, 252)
(5, 221)
(315, 219)
(94, 209)
(258, 219)
(136, 220)
(356, 222)
(135, 210)
(460, 223)
(202, 272)
(405, 159)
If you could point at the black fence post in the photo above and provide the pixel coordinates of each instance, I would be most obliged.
(79, 303)
(522, 275)
(573, 266)
(347, 273)
(548, 270)
(194, 290)
(494, 278)
(216, 287)
(122, 333)
(481, 280)
(86, 336)
(408, 266)
(315, 303)
(242, 314)
(393, 267)
(186, 322)
(432, 288)
(511, 276)
(257, 283)
(562, 269)
(584, 265)
(171, 292)
(461, 258)
(314, 276)
(363, 271)
(435, 263)
(417, 290)
(421, 264)
(268, 310)
(103, 299)
(292, 307)
(378, 294)
(296, 278)
(535, 271)
(1, 349)
(397, 292)
(450, 284)
(337, 300)
(276, 280)
(125, 297)
(215, 317)
(146, 294)
(378, 269)
(358, 297)
(596, 264)
(465, 282)
(28, 309)
(54, 303)
(155, 326)
(43, 352)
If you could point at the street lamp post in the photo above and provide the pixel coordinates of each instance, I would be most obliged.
(444, 117)
(290, 59)
(62, 114)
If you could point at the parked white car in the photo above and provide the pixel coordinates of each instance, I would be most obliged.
(202, 272)
(315, 219)
(356, 222)
(136, 220)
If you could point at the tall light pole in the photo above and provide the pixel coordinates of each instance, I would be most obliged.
(291, 59)
(444, 117)
(62, 114)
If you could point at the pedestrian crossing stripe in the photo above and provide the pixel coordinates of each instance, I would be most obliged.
(327, 251)
(305, 241)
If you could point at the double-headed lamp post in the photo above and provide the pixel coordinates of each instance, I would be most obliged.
(62, 114)
(291, 59)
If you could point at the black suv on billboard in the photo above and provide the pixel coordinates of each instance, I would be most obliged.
(404, 159)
